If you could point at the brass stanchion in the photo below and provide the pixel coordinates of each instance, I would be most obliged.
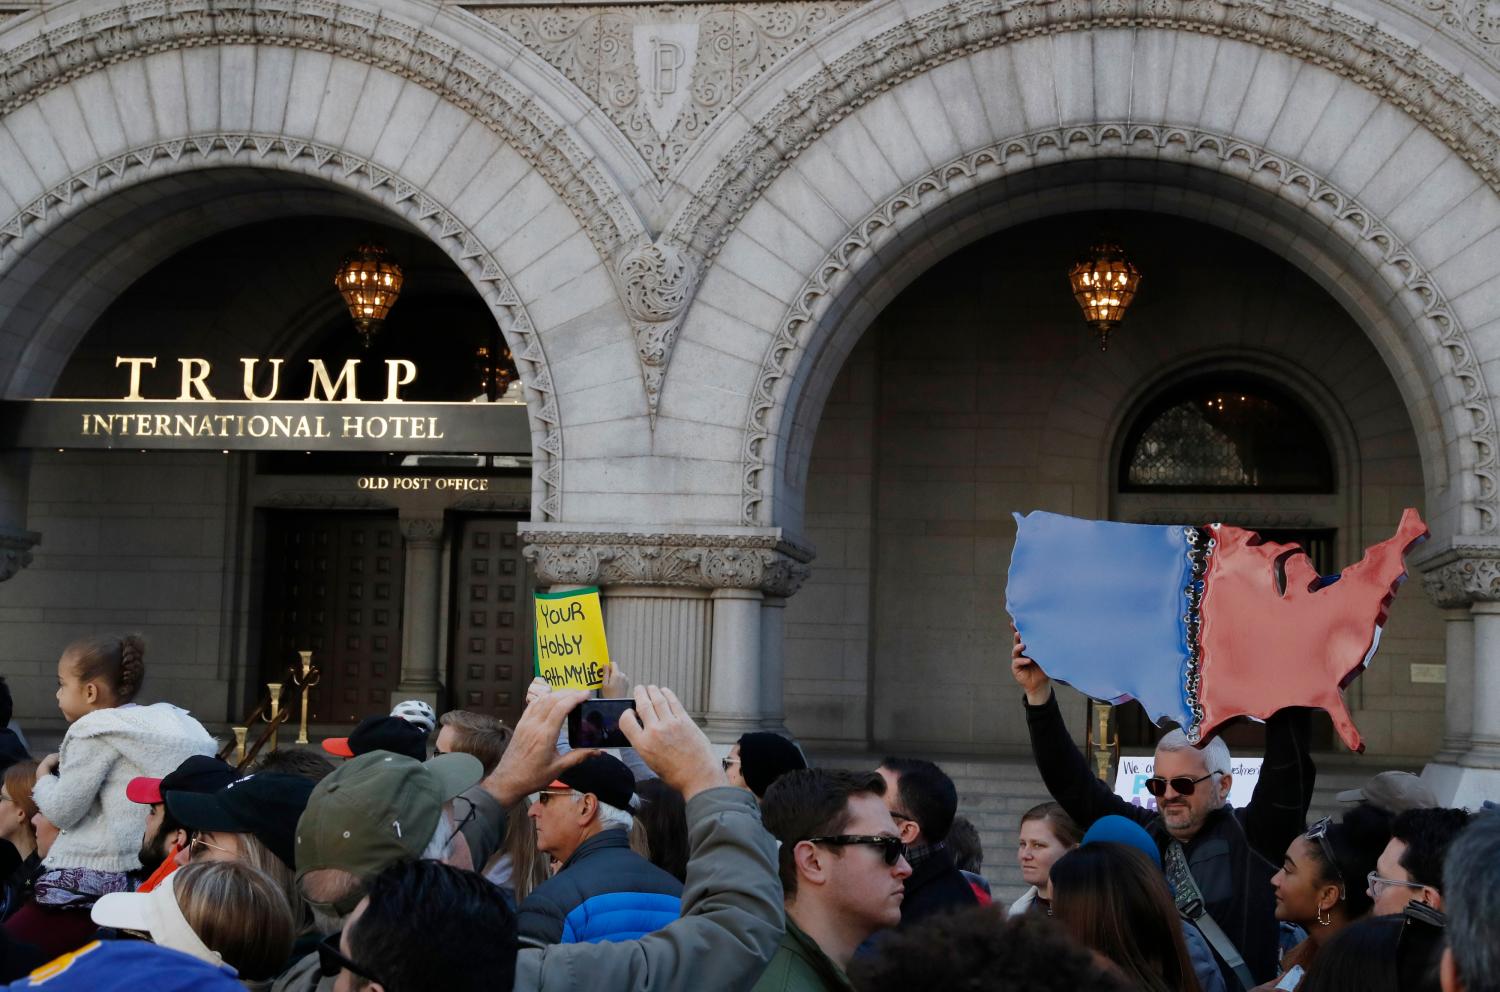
(274, 688)
(308, 679)
(1101, 747)
(239, 744)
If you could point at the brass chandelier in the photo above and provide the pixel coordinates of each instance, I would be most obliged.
(1104, 283)
(370, 282)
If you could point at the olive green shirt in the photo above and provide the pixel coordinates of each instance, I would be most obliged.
(801, 966)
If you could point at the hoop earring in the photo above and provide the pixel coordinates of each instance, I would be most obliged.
(1322, 922)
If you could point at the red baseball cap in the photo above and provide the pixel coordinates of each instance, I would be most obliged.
(200, 773)
(146, 791)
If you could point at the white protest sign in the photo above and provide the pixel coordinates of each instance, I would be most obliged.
(1130, 780)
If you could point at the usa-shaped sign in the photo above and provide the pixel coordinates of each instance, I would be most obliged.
(1199, 624)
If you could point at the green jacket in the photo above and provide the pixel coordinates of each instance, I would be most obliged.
(801, 966)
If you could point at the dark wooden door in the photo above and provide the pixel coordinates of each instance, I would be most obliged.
(490, 647)
(333, 584)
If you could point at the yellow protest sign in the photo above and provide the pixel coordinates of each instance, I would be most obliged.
(571, 652)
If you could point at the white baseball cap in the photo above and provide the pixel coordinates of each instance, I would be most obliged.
(156, 913)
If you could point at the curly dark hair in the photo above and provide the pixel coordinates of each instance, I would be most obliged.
(978, 950)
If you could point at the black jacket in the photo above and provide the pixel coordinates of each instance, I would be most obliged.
(935, 885)
(605, 891)
(1235, 853)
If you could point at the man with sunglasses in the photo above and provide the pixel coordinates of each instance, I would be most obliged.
(1219, 860)
(604, 890)
(843, 871)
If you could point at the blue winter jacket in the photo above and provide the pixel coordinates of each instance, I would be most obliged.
(605, 891)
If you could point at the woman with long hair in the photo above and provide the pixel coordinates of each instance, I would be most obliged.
(16, 811)
(1321, 884)
(221, 912)
(1113, 900)
(1046, 834)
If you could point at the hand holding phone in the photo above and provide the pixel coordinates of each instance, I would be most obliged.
(596, 723)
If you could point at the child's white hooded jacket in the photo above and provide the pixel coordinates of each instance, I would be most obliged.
(101, 752)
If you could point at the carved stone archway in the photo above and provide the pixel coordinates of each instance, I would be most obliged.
(1294, 205)
(204, 156)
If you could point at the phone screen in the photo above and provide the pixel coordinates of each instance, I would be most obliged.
(596, 723)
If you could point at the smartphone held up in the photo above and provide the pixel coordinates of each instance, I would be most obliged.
(596, 723)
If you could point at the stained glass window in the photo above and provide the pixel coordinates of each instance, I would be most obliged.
(1226, 432)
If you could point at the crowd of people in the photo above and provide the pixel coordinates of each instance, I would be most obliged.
(459, 853)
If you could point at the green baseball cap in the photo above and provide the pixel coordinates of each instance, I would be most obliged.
(378, 809)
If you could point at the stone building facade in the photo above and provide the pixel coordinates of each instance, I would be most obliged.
(781, 283)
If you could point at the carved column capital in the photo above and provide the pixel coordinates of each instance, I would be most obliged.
(1461, 575)
(762, 559)
(422, 530)
(15, 550)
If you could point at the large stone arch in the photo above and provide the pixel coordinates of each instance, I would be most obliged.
(908, 168)
(183, 123)
(461, 59)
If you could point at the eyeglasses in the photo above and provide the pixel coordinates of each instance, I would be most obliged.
(729, 761)
(198, 842)
(542, 797)
(1319, 832)
(331, 960)
(1182, 785)
(1378, 885)
(893, 849)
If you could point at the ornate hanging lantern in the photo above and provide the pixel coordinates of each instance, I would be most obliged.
(1104, 282)
(369, 282)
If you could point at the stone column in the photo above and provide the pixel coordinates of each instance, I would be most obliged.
(1466, 578)
(772, 663)
(660, 635)
(16, 541)
(421, 638)
(1458, 706)
(684, 608)
(1484, 733)
(734, 698)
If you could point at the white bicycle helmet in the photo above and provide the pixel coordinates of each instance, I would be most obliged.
(414, 711)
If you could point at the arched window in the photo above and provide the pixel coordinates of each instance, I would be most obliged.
(1226, 432)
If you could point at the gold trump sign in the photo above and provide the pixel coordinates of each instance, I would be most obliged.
(332, 416)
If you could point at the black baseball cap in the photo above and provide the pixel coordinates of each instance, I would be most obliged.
(267, 806)
(605, 776)
(381, 733)
(200, 773)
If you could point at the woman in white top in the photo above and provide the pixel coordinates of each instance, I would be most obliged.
(1047, 833)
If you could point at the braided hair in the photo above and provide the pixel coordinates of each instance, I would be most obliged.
(119, 661)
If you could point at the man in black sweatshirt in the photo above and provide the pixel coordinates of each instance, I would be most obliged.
(1227, 855)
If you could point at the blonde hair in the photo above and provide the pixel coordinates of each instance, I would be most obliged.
(479, 734)
(257, 855)
(238, 911)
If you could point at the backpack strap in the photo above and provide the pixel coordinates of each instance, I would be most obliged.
(1190, 902)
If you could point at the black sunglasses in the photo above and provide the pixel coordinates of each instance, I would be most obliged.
(893, 849)
(331, 960)
(1182, 785)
